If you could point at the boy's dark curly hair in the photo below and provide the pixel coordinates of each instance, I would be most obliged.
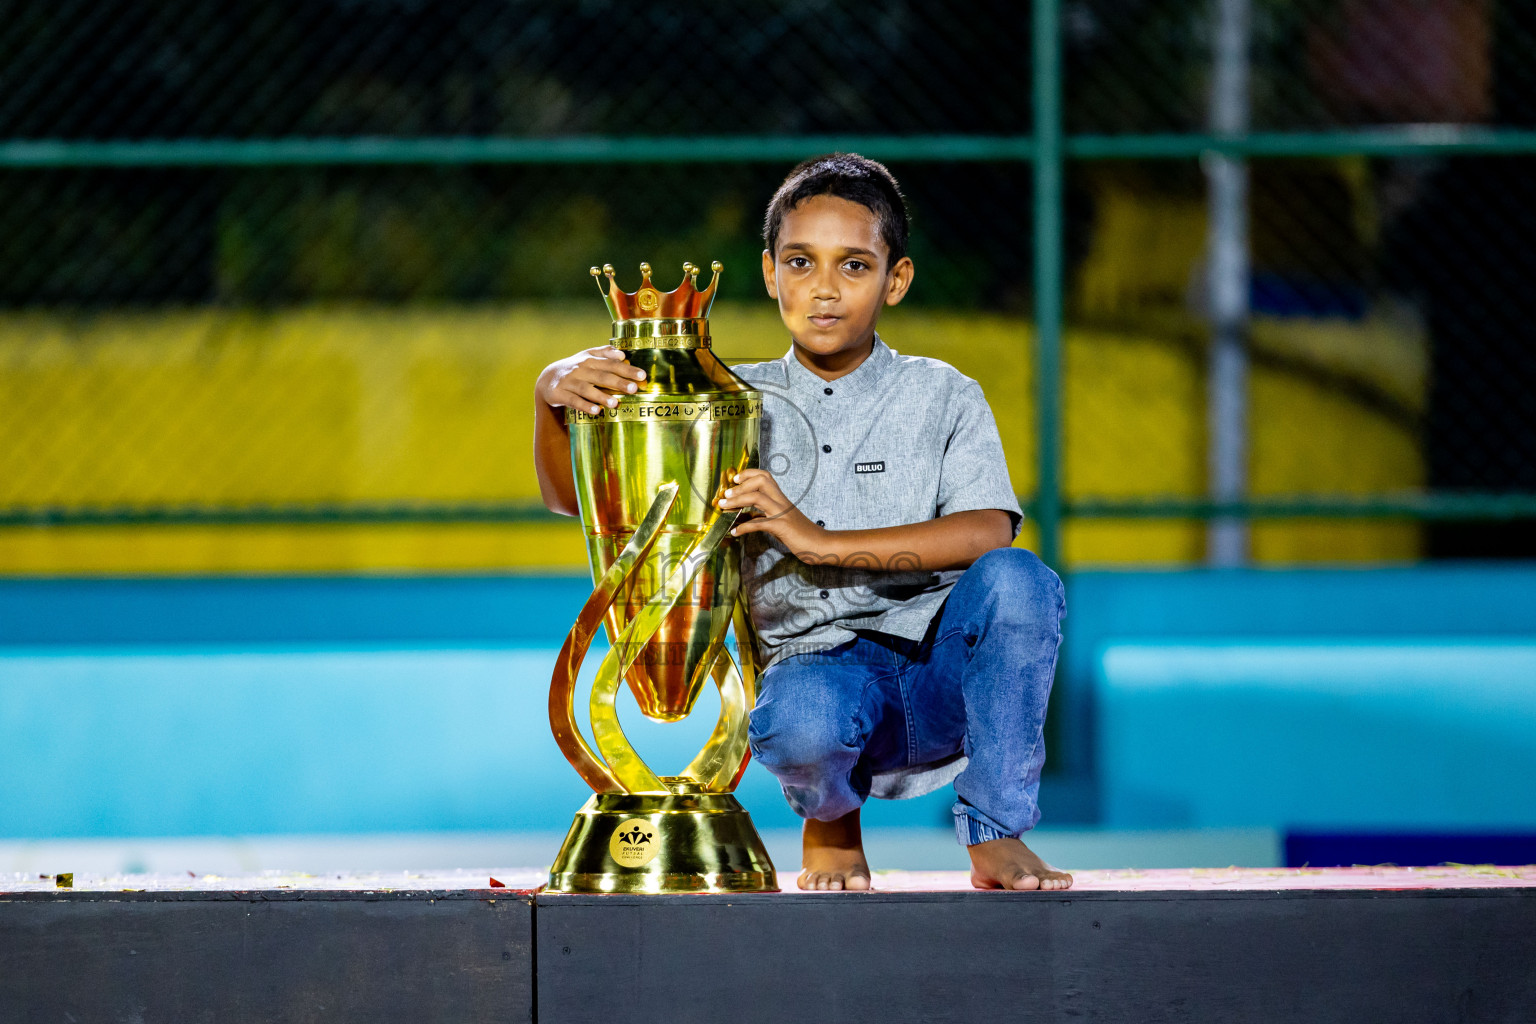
(847, 176)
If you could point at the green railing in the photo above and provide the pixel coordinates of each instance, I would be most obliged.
(1426, 507)
(1047, 149)
(1414, 140)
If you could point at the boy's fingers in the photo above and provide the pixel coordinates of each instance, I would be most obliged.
(604, 364)
(738, 495)
(571, 400)
(754, 478)
(591, 397)
(753, 511)
(758, 477)
(611, 381)
(746, 526)
(762, 493)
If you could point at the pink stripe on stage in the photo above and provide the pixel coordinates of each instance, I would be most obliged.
(522, 881)
(1461, 876)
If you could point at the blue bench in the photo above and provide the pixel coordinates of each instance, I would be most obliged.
(1401, 735)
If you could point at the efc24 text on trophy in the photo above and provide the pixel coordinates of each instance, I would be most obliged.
(667, 585)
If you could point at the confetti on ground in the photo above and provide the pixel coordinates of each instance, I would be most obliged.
(1448, 876)
(512, 879)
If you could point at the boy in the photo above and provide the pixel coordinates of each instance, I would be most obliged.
(906, 643)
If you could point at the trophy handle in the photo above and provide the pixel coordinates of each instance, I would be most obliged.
(746, 649)
(720, 764)
(624, 763)
(746, 645)
(562, 711)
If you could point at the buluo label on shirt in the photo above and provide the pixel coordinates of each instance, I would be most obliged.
(869, 467)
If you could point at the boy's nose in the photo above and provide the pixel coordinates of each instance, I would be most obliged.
(824, 286)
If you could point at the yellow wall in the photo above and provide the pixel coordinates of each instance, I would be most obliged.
(345, 404)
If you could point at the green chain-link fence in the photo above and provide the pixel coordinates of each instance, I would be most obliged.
(1241, 277)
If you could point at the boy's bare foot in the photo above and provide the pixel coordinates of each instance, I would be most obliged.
(1009, 864)
(832, 854)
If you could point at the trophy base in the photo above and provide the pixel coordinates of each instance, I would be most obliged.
(687, 840)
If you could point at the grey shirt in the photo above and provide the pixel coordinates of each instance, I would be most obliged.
(901, 439)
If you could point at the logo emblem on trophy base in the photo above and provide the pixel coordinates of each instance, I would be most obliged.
(667, 586)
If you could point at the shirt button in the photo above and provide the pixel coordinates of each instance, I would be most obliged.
(826, 391)
(820, 523)
(826, 448)
(825, 594)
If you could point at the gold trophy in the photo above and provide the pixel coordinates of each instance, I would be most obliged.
(667, 585)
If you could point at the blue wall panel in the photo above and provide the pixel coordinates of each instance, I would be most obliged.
(251, 705)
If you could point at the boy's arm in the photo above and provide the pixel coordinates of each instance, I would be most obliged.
(951, 541)
(586, 381)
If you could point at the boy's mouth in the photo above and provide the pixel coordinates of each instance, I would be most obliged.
(824, 321)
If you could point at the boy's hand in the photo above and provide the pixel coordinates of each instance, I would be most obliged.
(777, 515)
(588, 380)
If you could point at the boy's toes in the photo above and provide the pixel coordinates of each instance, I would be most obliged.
(832, 881)
(1009, 864)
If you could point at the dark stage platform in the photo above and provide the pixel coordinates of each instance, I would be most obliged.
(1363, 944)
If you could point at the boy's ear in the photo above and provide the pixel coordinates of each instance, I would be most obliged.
(769, 279)
(901, 280)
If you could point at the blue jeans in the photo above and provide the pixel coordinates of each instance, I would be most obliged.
(825, 723)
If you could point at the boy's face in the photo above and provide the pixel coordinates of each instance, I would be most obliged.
(832, 275)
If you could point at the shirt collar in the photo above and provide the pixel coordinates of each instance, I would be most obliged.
(863, 377)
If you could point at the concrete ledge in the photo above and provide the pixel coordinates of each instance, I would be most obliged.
(1319, 957)
(267, 955)
(1322, 946)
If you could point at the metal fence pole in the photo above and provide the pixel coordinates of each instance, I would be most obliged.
(1227, 539)
(1046, 35)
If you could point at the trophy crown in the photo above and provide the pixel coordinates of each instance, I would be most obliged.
(685, 302)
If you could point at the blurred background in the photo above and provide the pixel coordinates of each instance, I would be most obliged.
(1246, 282)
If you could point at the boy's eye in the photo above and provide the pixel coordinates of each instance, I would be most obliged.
(798, 262)
(855, 265)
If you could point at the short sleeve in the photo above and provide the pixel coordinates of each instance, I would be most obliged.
(974, 474)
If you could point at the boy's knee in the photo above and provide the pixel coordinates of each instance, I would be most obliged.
(786, 742)
(1019, 577)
